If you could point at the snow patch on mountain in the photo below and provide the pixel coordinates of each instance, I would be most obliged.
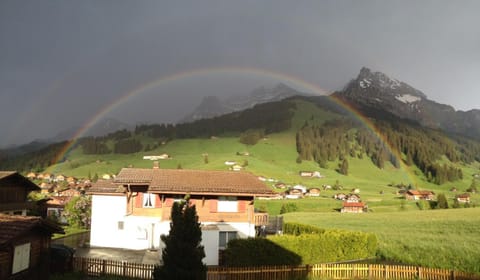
(407, 98)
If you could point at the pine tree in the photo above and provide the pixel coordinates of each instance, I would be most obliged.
(183, 254)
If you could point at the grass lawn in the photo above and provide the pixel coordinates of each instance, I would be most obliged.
(431, 238)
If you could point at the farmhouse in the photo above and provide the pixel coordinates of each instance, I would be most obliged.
(24, 243)
(352, 198)
(419, 195)
(135, 207)
(14, 189)
(313, 192)
(463, 198)
(354, 207)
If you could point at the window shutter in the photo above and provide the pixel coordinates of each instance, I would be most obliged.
(139, 200)
(242, 206)
(213, 205)
(158, 201)
(169, 202)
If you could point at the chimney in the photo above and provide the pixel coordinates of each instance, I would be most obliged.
(156, 165)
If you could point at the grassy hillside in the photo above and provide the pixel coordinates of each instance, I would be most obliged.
(435, 238)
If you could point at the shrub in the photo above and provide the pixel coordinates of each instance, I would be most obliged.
(258, 251)
(288, 207)
(330, 246)
(327, 246)
(298, 229)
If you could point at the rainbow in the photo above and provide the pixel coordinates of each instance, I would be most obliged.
(310, 87)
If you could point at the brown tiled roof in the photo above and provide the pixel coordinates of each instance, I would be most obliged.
(194, 181)
(353, 204)
(103, 186)
(12, 226)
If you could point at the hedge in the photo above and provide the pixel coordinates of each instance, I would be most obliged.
(328, 246)
(297, 229)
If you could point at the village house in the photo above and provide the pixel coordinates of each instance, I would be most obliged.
(294, 194)
(340, 196)
(24, 245)
(139, 203)
(354, 207)
(463, 198)
(419, 195)
(352, 198)
(14, 190)
(313, 192)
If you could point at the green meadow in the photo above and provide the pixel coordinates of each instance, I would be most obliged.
(433, 238)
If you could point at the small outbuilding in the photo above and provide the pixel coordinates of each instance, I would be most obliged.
(25, 247)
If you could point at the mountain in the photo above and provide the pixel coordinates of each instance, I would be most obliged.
(101, 128)
(212, 106)
(376, 91)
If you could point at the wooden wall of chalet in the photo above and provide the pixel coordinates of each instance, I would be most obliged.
(39, 257)
(206, 208)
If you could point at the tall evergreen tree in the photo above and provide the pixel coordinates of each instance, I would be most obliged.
(183, 254)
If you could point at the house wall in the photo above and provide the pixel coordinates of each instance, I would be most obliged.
(117, 223)
(38, 268)
(107, 211)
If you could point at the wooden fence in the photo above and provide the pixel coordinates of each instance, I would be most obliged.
(97, 267)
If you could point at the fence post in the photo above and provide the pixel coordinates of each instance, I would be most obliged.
(419, 272)
(385, 272)
(124, 268)
(452, 274)
(104, 264)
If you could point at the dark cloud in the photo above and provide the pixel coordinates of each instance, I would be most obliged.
(63, 61)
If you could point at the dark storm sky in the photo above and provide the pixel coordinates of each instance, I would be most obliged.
(62, 62)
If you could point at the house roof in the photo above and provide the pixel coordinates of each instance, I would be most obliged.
(353, 204)
(6, 176)
(194, 181)
(415, 192)
(104, 186)
(12, 226)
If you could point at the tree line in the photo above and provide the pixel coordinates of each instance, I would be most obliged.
(392, 142)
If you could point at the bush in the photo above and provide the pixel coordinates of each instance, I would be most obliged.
(330, 246)
(327, 246)
(298, 229)
(288, 207)
(258, 251)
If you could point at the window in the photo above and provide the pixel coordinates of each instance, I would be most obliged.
(224, 237)
(21, 258)
(120, 225)
(227, 204)
(149, 200)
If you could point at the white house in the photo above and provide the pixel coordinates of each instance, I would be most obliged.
(133, 210)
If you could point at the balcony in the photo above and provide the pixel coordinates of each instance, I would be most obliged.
(260, 219)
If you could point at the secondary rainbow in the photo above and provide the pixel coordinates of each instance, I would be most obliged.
(281, 77)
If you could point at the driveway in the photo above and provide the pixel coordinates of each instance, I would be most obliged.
(134, 256)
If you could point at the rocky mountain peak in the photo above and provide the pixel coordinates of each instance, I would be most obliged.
(382, 83)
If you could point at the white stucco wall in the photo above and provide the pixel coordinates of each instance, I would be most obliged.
(107, 211)
(141, 233)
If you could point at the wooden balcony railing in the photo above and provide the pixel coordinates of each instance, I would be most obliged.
(260, 219)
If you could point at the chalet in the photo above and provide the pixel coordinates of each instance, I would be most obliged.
(14, 189)
(294, 194)
(55, 207)
(419, 195)
(352, 198)
(354, 207)
(306, 173)
(236, 167)
(31, 175)
(340, 196)
(140, 201)
(313, 192)
(301, 188)
(59, 178)
(463, 198)
(24, 243)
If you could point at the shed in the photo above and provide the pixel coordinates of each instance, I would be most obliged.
(24, 247)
